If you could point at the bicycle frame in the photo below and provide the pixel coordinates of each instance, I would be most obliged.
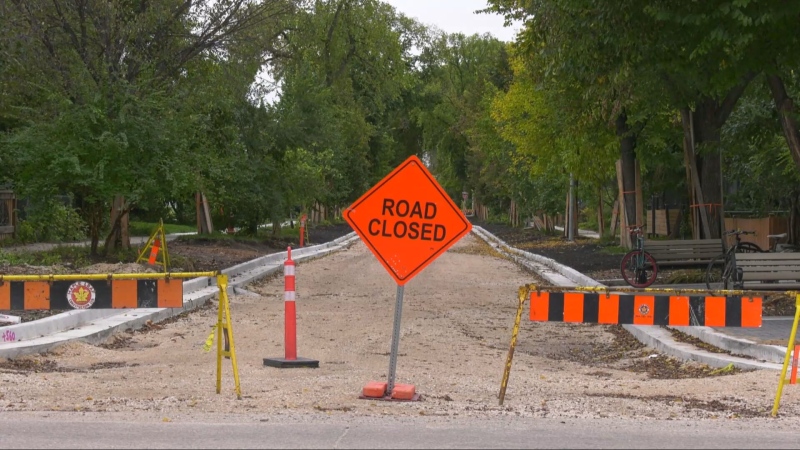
(638, 268)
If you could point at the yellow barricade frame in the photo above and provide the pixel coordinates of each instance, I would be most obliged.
(224, 324)
(162, 237)
(524, 293)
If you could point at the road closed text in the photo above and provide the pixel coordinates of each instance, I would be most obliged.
(401, 219)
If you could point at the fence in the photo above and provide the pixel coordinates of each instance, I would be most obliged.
(763, 226)
(320, 213)
(662, 222)
(8, 214)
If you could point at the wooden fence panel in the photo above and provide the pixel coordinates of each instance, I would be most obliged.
(763, 227)
(8, 214)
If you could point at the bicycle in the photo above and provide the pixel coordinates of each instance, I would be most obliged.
(638, 267)
(779, 243)
(721, 272)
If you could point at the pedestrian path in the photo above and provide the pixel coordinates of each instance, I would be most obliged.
(584, 233)
(773, 331)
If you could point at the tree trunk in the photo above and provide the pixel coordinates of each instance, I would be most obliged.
(95, 212)
(698, 213)
(601, 226)
(709, 163)
(627, 146)
(118, 237)
(706, 122)
(786, 111)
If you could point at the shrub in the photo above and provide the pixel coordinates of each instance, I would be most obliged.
(51, 222)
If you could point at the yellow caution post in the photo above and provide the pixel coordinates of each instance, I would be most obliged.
(789, 348)
(225, 345)
(156, 244)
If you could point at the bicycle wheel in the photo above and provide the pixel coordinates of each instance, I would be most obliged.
(748, 247)
(718, 273)
(638, 268)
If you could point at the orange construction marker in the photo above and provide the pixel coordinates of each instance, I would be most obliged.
(154, 251)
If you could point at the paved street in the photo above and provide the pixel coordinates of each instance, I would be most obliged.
(773, 331)
(88, 431)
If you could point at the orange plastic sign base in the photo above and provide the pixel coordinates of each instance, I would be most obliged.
(403, 392)
(375, 389)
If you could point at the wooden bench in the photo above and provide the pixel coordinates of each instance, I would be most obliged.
(684, 252)
(769, 270)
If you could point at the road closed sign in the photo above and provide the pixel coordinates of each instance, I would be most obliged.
(407, 220)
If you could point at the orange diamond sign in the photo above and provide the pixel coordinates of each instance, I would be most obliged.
(407, 220)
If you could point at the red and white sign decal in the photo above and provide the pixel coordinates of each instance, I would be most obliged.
(81, 295)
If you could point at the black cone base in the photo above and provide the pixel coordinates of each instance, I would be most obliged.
(283, 363)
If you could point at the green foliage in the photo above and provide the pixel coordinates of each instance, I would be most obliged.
(149, 108)
(76, 256)
(51, 222)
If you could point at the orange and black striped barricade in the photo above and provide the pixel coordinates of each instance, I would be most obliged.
(118, 291)
(650, 306)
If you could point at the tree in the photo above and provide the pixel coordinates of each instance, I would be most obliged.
(98, 86)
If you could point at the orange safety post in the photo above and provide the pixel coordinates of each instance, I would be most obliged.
(154, 251)
(290, 328)
(302, 229)
(793, 379)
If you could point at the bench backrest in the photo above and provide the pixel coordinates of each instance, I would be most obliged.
(769, 266)
(684, 250)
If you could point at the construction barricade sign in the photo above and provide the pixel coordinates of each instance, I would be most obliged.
(669, 310)
(91, 294)
(651, 306)
(407, 220)
(124, 291)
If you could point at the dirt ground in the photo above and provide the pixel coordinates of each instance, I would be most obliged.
(456, 326)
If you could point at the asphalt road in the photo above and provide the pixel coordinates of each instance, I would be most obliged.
(73, 430)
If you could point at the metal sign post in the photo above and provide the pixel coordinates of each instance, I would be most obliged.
(407, 220)
(398, 314)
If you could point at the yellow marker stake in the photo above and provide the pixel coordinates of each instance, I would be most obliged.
(789, 348)
(523, 295)
(224, 312)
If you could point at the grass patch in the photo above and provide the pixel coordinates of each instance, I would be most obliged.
(76, 256)
(686, 276)
(613, 249)
(147, 228)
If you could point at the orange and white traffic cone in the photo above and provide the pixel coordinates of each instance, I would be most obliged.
(290, 358)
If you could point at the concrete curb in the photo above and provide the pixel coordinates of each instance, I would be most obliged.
(660, 338)
(98, 325)
(573, 275)
(768, 353)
